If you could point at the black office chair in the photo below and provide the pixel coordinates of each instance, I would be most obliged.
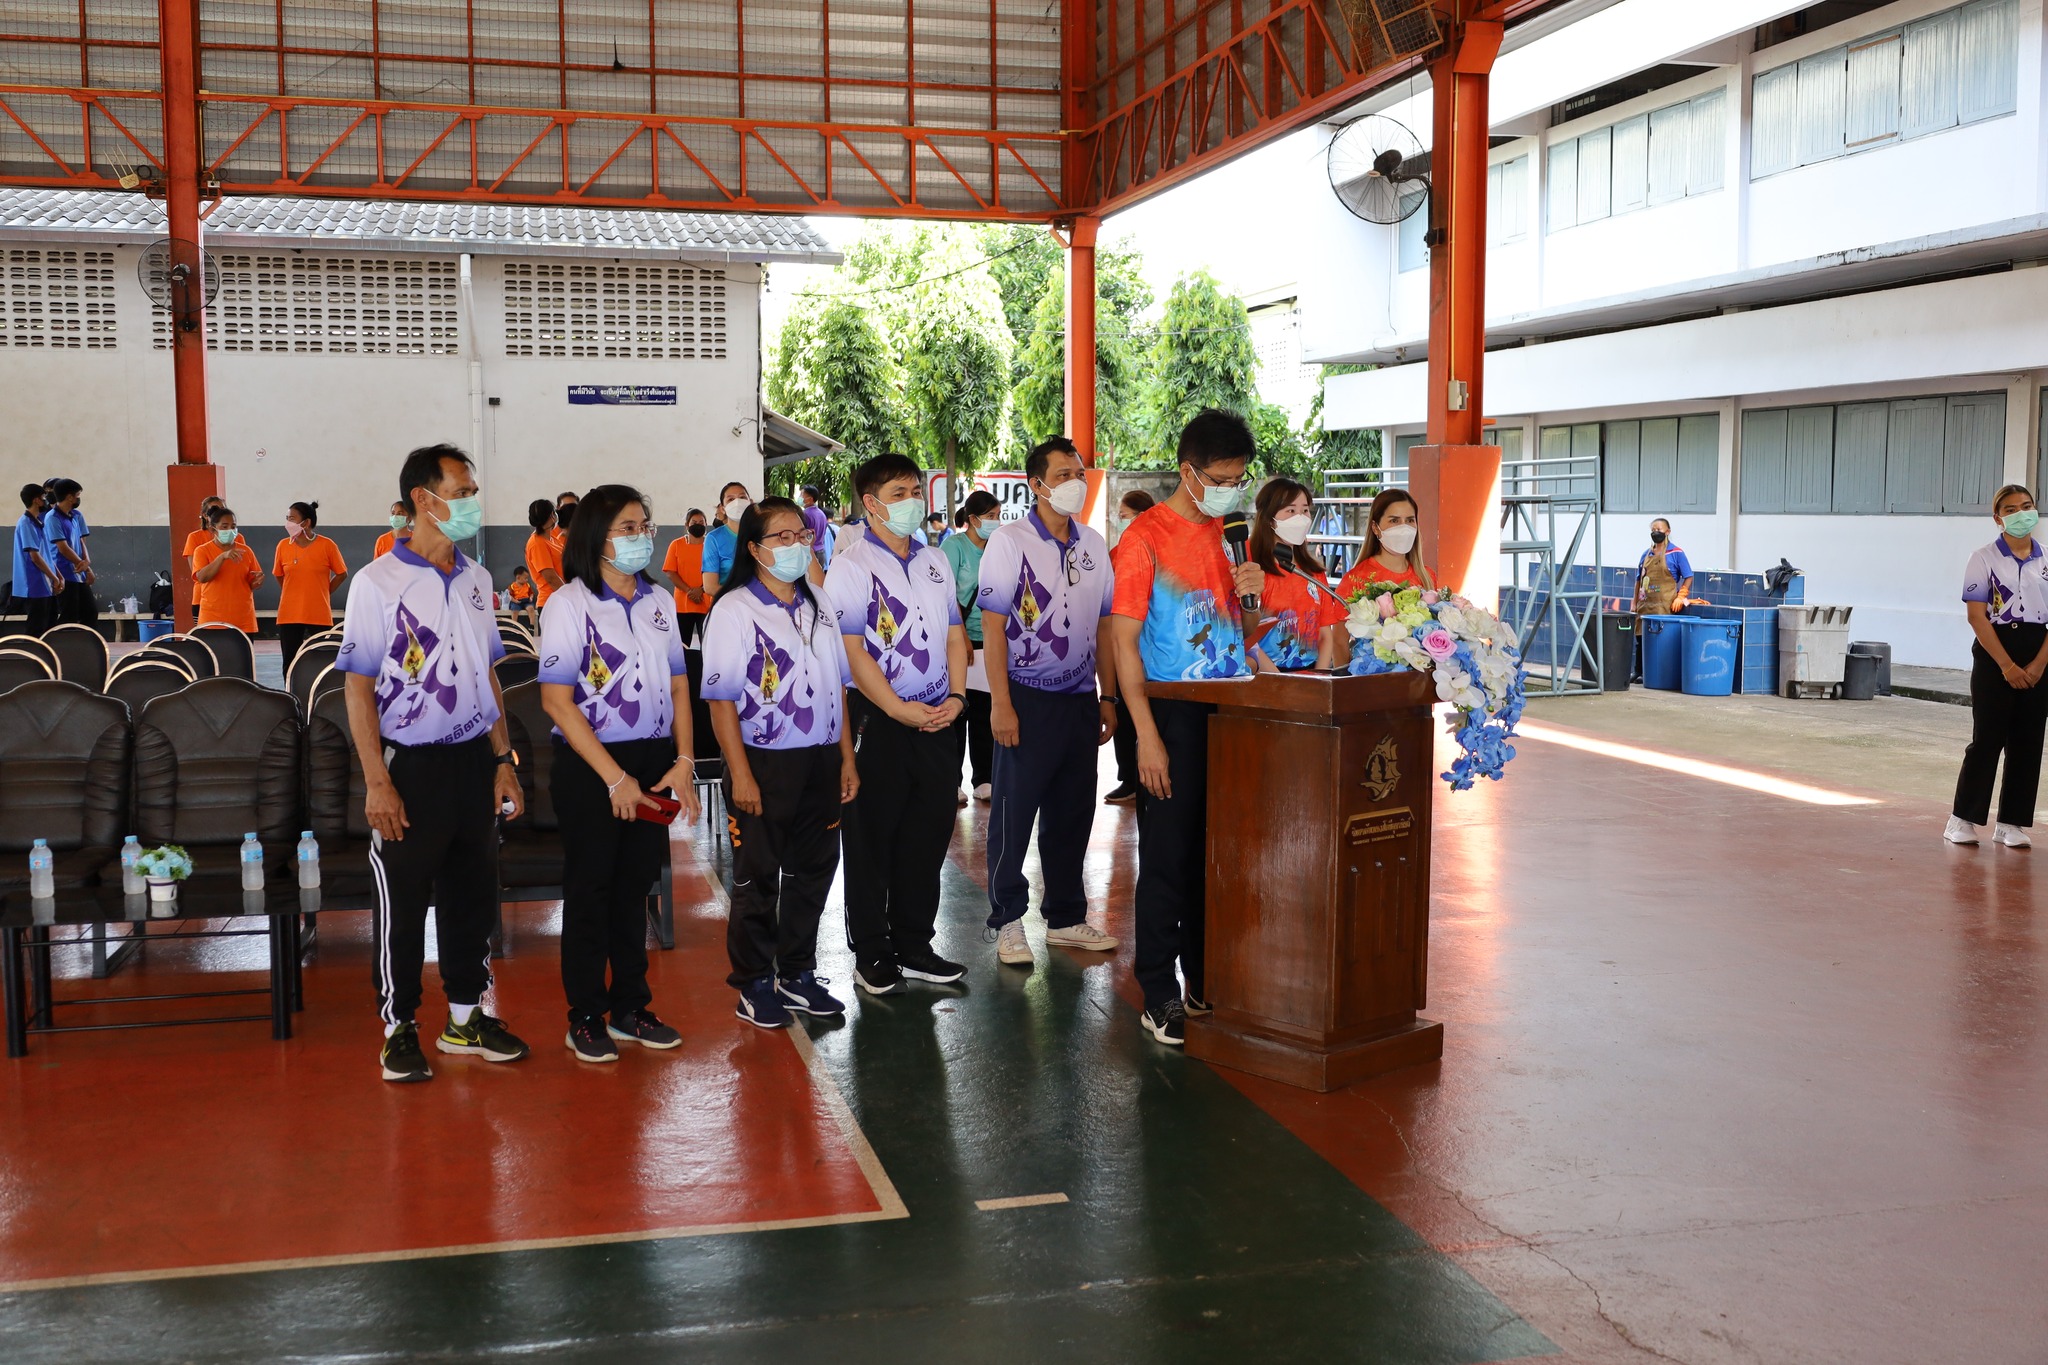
(81, 654)
(334, 807)
(307, 665)
(64, 775)
(203, 662)
(29, 644)
(138, 681)
(18, 667)
(530, 853)
(213, 760)
(234, 656)
(516, 667)
(331, 679)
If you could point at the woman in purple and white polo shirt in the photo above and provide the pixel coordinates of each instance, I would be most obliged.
(775, 677)
(2006, 589)
(614, 681)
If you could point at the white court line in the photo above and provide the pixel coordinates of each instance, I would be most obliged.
(1022, 1201)
(1693, 767)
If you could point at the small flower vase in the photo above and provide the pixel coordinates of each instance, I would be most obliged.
(163, 893)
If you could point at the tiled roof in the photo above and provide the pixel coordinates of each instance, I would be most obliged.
(116, 216)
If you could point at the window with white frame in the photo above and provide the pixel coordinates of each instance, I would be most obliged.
(1653, 158)
(605, 309)
(1507, 200)
(290, 303)
(58, 299)
(1957, 67)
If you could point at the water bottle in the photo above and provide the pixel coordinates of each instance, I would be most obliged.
(132, 880)
(42, 876)
(252, 863)
(309, 861)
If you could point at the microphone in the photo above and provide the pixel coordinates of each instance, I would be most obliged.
(1236, 531)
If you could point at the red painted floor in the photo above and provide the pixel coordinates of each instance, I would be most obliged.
(213, 1145)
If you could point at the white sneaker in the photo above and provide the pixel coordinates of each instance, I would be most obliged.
(982, 792)
(2012, 836)
(1082, 935)
(1011, 946)
(1961, 831)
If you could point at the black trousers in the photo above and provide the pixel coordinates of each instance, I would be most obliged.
(972, 737)
(290, 638)
(1047, 779)
(1125, 742)
(447, 859)
(608, 866)
(783, 862)
(1173, 857)
(690, 627)
(76, 603)
(2008, 721)
(39, 613)
(895, 832)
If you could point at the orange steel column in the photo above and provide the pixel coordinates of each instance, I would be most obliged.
(1455, 478)
(1080, 378)
(192, 478)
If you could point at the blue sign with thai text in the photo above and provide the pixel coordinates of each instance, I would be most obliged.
(622, 395)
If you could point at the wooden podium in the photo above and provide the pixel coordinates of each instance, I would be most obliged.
(1318, 895)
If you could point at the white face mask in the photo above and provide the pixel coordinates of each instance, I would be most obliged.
(1292, 529)
(1069, 497)
(736, 509)
(1399, 539)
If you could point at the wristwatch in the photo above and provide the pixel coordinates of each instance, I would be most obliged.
(1113, 701)
(960, 697)
(508, 759)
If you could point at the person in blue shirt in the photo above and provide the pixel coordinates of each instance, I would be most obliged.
(64, 533)
(720, 542)
(1663, 575)
(37, 584)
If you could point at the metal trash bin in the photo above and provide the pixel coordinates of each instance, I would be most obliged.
(1813, 641)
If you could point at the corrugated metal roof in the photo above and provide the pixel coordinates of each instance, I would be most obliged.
(116, 217)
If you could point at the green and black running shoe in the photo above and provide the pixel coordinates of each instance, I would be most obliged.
(483, 1036)
(402, 1058)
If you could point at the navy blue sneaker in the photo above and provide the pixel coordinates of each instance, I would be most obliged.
(805, 992)
(760, 1004)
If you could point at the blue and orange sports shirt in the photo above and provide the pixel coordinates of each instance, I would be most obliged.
(1173, 575)
(1301, 607)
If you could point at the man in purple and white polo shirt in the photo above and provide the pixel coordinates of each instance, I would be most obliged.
(1045, 588)
(428, 722)
(906, 652)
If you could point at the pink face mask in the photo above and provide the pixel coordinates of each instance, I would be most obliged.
(292, 528)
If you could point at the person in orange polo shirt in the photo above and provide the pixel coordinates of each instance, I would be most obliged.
(308, 567)
(401, 527)
(205, 531)
(543, 549)
(226, 573)
(684, 566)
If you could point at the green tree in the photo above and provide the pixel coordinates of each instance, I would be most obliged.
(1343, 448)
(1202, 357)
(1282, 449)
(1121, 298)
(835, 373)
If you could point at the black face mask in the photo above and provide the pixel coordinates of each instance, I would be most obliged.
(696, 530)
(565, 514)
(1657, 537)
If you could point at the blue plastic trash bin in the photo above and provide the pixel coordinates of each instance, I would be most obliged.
(1709, 651)
(1663, 638)
(147, 629)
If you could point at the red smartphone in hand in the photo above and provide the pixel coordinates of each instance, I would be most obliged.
(657, 809)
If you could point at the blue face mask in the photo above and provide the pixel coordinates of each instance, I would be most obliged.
(631, 554)
(791, 562)
(1214, 501)
(465, 517)
(2021, 524)
(903, 518)
(225, 535)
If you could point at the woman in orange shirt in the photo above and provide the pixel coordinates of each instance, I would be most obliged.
(1305, 609)
(307, 567)
(684, 567)
(401, 523)
(543, 549)
(1390, 555)
(226, 573)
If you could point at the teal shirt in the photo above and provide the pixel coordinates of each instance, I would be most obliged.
(965, 557)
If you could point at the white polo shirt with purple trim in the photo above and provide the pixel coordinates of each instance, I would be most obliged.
(2013, 590)
(1055, 593)
(427, 640)
(782, 666)
(620, 656)
(900, 608)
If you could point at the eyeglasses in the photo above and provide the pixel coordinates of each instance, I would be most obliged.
(634, 528)
(1243, 482)
(779, 539)
(1073, 573)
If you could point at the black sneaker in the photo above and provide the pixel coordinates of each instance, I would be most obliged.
(1167, 1023)
(1196, 1006)
(402, 1058)
(643, 1028)
(926, 965)
(483, 1036)
(878, 977)
(805, 993)
(589, 1041)
(1125, 793)
(761, 1005)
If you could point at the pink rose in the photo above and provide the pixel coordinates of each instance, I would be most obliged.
(1386, 601)
(1430, 599)
(1438, 643)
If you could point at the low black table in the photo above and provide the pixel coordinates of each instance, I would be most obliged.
(25, 939)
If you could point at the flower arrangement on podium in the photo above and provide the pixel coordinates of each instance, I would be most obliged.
(1466, 649)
